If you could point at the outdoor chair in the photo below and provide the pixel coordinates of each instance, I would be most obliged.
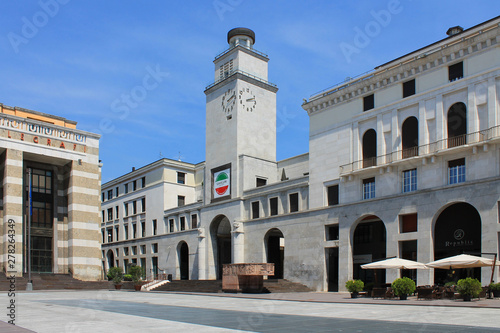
(389, 293)
(425, 293)
(378, 292)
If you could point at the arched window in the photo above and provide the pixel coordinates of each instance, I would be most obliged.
(369, 148)
(410, 137)
(457, 125)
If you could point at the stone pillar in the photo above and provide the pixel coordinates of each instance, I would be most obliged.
(202, 253)
(84, 254)
(12, 231)
(238, 243)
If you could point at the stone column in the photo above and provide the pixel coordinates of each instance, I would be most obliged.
(202, 253)
(84, 255)
(12, 231)
(238, 243)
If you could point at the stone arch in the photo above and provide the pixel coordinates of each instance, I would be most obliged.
(409, 134)
(221, 239)
(274, 243)
(457, 125)
(183, 260)
(110, 259)
(369, 148)
(369, 244)
(457, 229)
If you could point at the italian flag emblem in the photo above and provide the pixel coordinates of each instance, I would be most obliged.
(222, 183)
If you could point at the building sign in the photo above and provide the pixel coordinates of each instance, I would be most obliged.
(221, 182)
(36, 129)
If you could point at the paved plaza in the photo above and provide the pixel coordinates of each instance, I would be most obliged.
(115, 311)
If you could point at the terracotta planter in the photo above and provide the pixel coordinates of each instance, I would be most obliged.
(137, 287)
(118, 286)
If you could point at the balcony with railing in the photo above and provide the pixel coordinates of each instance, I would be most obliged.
(433, 148)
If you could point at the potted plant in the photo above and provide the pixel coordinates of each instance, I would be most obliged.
(469, 288)
(354, 287)
(495, 288)
(115, 274)
(403, 287)
(136, 273)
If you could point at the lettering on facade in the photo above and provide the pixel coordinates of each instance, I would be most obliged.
(42, 130)
(40, 140)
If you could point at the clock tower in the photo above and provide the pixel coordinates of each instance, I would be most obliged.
(240, 116)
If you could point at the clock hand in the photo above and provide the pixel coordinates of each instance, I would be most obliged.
(250, 99)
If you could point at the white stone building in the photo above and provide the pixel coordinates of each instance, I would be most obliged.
(403, 161)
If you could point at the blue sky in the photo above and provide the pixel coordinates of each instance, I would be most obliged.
(84, 60)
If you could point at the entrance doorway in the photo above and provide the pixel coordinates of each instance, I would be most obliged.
(332, 268)
(369, 245)
(111, 259)
(220, 231)
(184, 261)
(275, 245)
(457, 231)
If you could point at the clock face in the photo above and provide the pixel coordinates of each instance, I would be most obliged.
(247, 99)
(228, 101)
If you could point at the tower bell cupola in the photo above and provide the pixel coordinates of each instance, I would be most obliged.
(241, 36)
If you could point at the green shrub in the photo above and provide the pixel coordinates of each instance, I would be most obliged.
(127, 277)
(450, 284)
(469, 286)
(115, 274)
(136, 273)
(403, 286)
(354, 286)
(495, 286)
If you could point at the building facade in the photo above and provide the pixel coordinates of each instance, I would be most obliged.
(48, 162)
(403, 161)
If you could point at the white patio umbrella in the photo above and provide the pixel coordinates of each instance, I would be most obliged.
(465, 261)
(462, 261)
(394, 263)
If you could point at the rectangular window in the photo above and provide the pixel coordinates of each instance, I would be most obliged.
(102, 215)
(110, 194)
(154, 248)
(102, 197)
(143, 249)
(260, 182)
(125, 206)
(456, 171)
(408, 223)
(117, 211)
(125, 231)
(255, 210)
(273, 204)
(117, 232)
(125, 265)
(194, 221)
(332, 232)
(143, 182)
(368, 102)
(181, 200)
(369, 188)
(143, 204)
(408, 88)
(134, 207)
(183, 223)
(134, 230)
(110, 214)
(171, 225)
(134, 185)
(181, 178)
(143, 229)
(333, 195)
(126, 188)
(110, 235)
(125, 251)
(155, 226)
(103, 236)
(409, 180)
(134, 250)
(117, 190)
(456, 71)
(294, 202)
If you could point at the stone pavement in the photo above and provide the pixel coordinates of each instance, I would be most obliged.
(115, 311)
